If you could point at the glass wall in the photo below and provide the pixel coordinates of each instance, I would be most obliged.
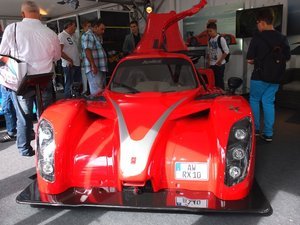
(117, 27)
(53, 26)
(91, 16)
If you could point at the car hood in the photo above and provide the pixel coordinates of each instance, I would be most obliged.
(140, 118)
(139, 113)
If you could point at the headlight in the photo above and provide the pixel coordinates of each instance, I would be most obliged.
(47, 168)
(235, 172)
(240, 134)
(45, 150)
(238, 152)
(45, 138)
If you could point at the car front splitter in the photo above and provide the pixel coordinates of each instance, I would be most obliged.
(184, 201)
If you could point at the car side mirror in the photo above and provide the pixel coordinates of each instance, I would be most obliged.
(234, 83)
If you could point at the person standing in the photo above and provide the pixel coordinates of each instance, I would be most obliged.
(38, 46)
(1, 32)
(132, 39)
(267, 72)
(70, 57)
(215, 54)
(9, 115)
(86, 25)
(8, 111)
(94, 57)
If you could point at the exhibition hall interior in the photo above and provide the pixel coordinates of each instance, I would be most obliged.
(131, 125)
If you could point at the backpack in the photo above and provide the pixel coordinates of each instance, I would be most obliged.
(220, 47)
(272, 66)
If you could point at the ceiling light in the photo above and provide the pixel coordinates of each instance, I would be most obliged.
(43, 12)
(148, 6)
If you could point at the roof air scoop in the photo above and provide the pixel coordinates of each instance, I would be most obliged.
(166, 36)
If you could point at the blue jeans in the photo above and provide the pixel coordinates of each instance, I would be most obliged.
(96, 82)
(263, 92)
(72, 74)
(84, 80)
(24, 106)
(9, 111)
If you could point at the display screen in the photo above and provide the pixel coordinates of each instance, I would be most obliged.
(246, 20)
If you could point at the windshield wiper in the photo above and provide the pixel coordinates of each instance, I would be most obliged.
(131, 89)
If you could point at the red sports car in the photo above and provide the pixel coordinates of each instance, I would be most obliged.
(160, 137)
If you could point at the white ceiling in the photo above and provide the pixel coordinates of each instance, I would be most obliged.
(11, 8)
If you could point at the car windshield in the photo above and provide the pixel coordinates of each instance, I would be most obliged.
(153, 75)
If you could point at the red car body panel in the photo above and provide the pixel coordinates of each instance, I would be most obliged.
(89, 155)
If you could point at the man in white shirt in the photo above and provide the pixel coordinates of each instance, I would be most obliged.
(70, 57)
(217, 52)
(38, 46)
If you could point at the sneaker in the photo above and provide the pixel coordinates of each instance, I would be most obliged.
(257, 133)
(6, 138)
(29, 154)
(267, 138)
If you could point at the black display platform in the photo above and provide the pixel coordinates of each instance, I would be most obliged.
(162, 201)
(36, 81)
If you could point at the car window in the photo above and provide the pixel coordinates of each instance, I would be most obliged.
(153, 75)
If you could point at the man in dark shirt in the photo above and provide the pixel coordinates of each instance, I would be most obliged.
(132, 39)
(265, 80)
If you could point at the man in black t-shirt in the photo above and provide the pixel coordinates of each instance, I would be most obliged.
(265, 77)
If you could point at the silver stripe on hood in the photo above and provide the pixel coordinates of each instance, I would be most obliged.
(137, 150)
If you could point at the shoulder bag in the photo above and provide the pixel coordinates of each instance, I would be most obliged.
(12, 70)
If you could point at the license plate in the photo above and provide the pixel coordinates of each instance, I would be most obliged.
(197, 171)
(192, 203)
